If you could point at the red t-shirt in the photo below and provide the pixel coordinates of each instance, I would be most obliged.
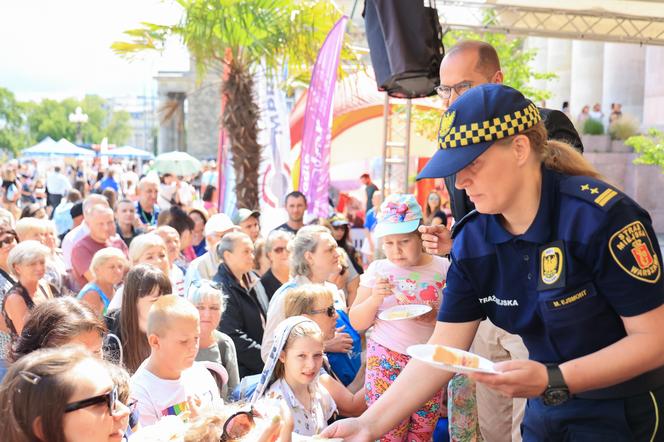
(85, 249)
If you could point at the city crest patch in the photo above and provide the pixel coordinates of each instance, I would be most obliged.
(552, 266)
(632, 250)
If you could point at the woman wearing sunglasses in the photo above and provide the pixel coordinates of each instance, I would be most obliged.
(276, 249)
(8, 239)
(61, 395)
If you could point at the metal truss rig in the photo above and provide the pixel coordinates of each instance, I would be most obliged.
(596, 24)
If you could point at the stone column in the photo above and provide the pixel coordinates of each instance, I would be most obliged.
(559, 61)
(624, 78)
(539, 63)
(587, 76)
(653, 100)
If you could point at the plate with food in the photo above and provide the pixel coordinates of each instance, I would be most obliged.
(451, 359)
(406, 311)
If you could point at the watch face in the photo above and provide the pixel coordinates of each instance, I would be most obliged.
(555, 396)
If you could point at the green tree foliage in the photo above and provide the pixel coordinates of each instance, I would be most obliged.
(12, 122)
(650, 148)
(241, 35)
(514, 62)
(25, 123)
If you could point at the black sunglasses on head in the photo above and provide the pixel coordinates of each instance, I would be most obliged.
(110, 398)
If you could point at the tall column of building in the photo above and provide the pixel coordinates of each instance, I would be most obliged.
(624, 78)
(653, 100)
(587, 76)
(559, 61)
(539, 63)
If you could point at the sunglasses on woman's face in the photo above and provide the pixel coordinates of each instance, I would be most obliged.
(110, 399)
(329, 311)
(239, 425)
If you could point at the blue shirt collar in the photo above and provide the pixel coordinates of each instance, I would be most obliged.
(540, 230)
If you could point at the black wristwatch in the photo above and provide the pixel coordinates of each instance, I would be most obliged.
(556, 391)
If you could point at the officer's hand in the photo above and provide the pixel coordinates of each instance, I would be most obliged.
(518, 378)
(437, 240)
(351, 430)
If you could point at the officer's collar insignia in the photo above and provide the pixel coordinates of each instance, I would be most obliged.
(446, 123)
(551, 265)
(632, 250)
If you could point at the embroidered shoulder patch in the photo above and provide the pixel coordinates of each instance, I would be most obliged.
(632, 250)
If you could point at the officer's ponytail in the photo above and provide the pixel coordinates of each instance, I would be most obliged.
(558, 155)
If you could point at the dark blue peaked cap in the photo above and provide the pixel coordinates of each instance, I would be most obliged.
(476, 120)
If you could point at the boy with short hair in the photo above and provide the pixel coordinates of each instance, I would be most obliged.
(168, 382)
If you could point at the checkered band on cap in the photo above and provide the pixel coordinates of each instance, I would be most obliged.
(490, 130)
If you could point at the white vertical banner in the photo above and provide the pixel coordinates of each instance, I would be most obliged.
(275, 180)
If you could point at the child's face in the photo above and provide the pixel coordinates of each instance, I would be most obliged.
(302, 360)
(179, 344)
(403, 250)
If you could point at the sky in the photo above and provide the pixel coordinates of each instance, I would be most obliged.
(61, 48)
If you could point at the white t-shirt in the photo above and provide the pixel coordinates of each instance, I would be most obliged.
(158, 397)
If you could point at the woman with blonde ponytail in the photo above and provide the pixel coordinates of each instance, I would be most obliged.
(555, 255)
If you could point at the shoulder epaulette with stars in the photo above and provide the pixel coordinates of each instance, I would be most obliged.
(592, 190)
(456, 228)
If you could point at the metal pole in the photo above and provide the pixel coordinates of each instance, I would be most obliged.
(406, 150)
(386, 117)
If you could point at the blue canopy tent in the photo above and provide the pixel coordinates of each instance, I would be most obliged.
(63, 148)
(128, 152)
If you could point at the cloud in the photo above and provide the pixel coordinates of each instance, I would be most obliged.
(57, 49)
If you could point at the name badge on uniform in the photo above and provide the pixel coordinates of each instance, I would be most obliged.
(552, 266)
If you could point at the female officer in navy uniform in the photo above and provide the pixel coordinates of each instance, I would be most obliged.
(555, 255)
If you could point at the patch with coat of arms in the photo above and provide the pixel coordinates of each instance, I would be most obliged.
(552, 266)
(633, 251)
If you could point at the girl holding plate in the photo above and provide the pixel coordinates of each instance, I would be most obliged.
(399, 297)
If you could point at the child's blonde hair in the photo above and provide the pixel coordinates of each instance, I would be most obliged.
(301, 330)
(166, 310)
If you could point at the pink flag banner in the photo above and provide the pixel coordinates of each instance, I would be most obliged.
(317, 126)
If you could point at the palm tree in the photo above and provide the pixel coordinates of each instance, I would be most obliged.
(242, 35)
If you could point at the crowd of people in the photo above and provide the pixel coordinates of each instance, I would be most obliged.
(134, 310)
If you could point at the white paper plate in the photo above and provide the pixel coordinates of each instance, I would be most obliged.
(406, 311)
(424, 352)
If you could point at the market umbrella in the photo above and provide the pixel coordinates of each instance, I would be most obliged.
(63, 148)
(128, 152)
(177, 163)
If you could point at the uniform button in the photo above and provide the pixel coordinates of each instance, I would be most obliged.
(530, 276)
(526, 257)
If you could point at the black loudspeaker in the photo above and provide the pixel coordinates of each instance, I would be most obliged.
(406, 46)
